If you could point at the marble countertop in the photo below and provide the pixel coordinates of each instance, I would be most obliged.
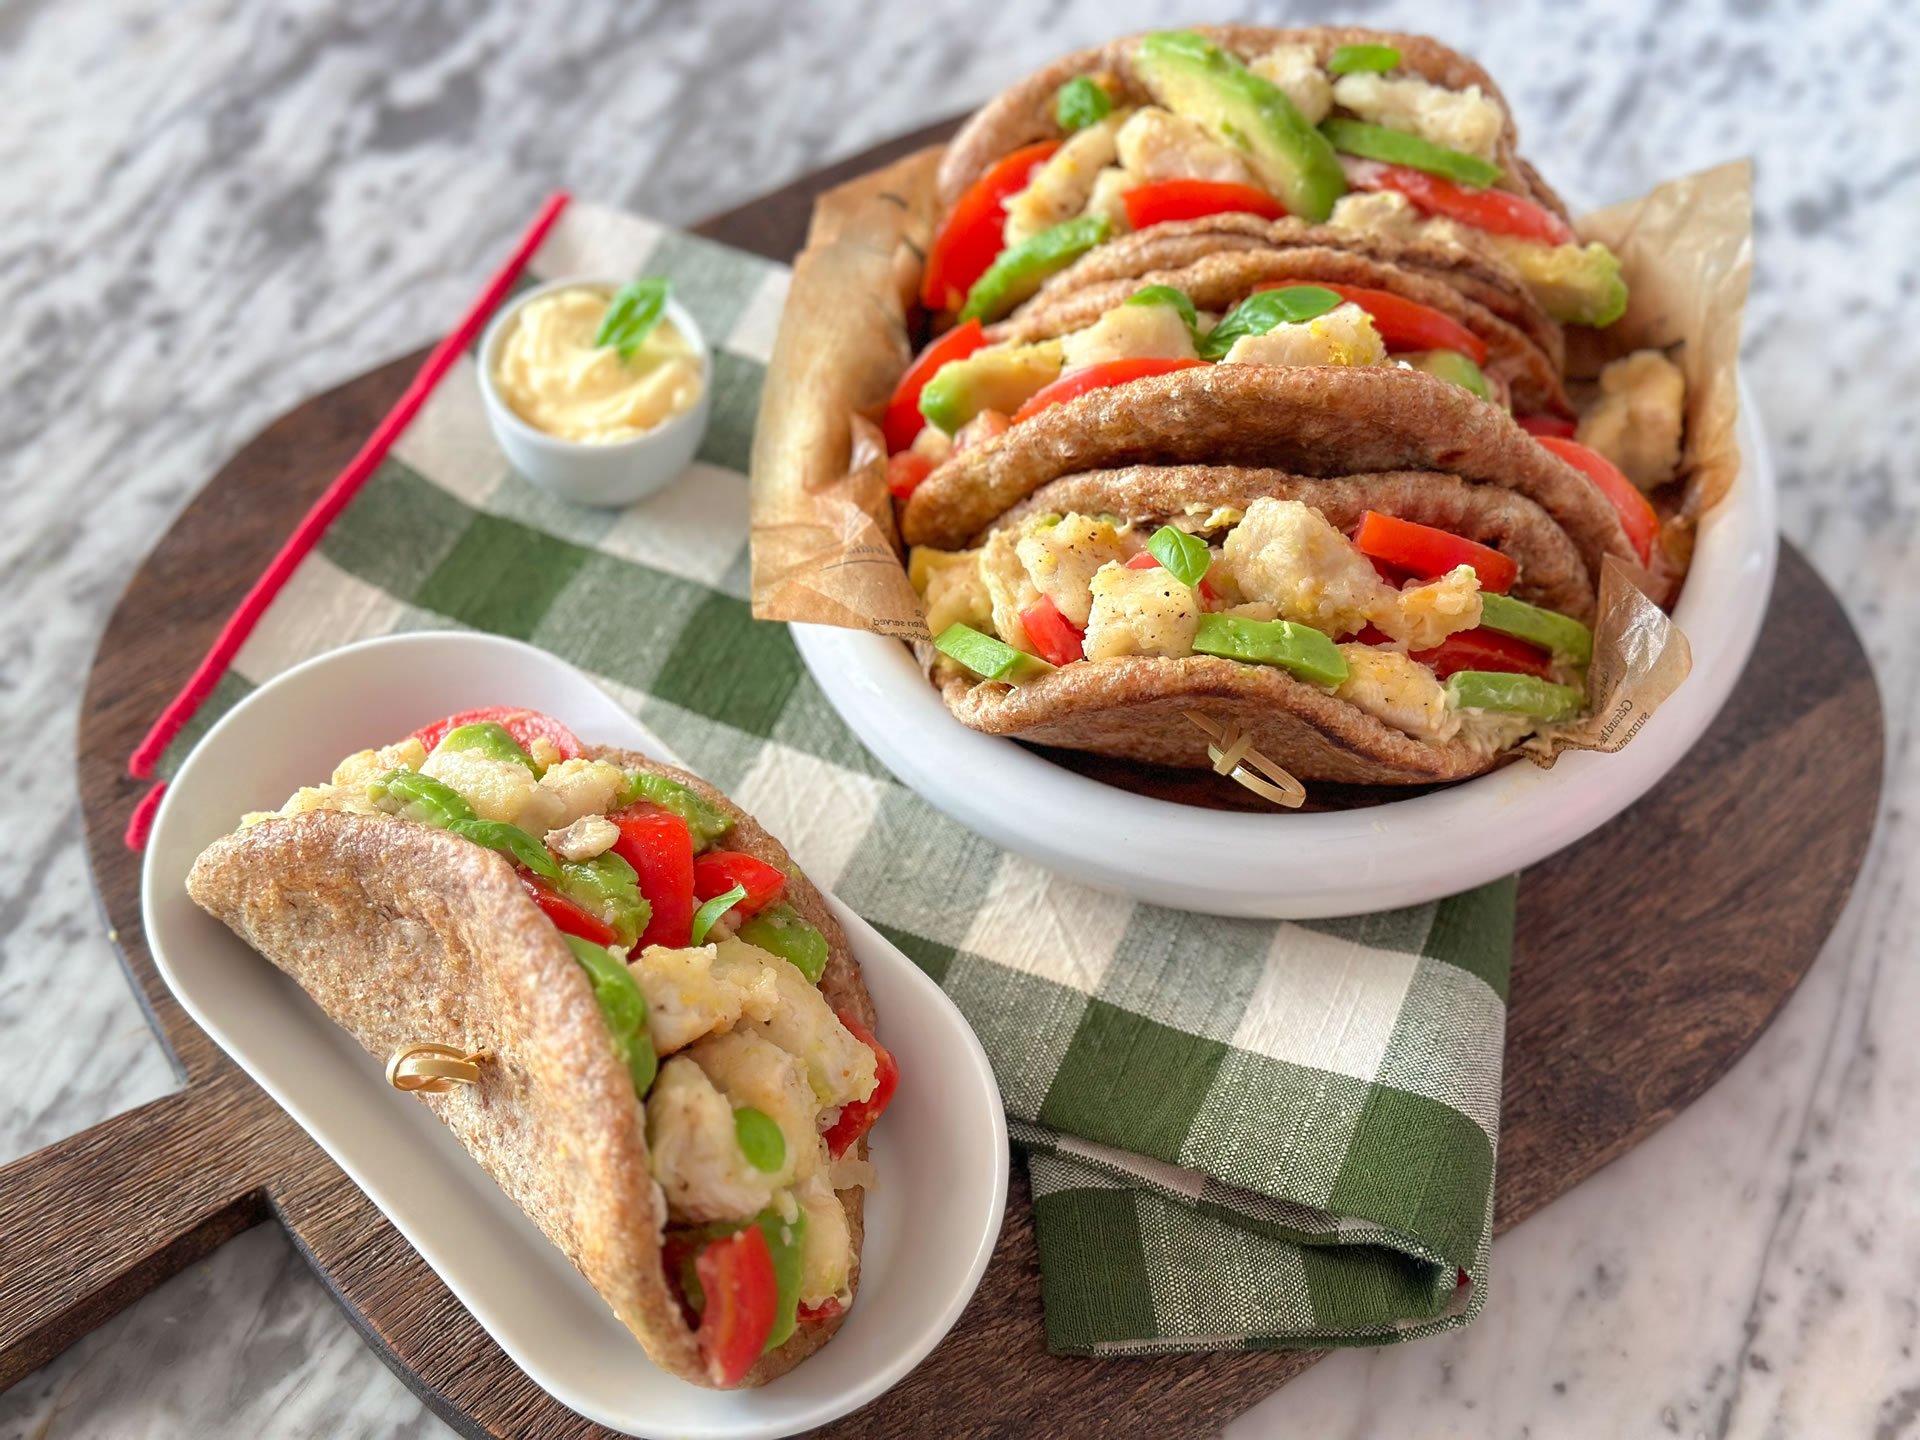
(213, 210)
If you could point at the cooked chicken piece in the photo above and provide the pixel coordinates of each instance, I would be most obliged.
(1424, 615)
(407, 754)
(1458, 119)
(1343, 336)
(502, 790)
(1284, 554)
(1009, 588)
(1140, 612)
(694, 991)
(1295, 70)
(1399, 692)
(1062, 557)
(1109, 188)
(585, 838)
(1129, 332)
(750, 1069)
(350, 798)
(933, 443)
(950, 585)
(582, 787)
(1638, 419)
(1060, 188)
(694, 1152)
(1157, 144)
(826, 1253)
(839, 1067)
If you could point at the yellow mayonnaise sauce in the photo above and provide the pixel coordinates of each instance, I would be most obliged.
(556, 379)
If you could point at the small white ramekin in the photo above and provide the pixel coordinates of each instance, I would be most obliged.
(613, 474)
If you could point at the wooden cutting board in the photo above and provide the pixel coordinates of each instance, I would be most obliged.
(1648, 958)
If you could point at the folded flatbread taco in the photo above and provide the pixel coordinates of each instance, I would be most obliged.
(1176, 247)
(1420, 321)
(1363, 137)
(1327, 419)
(1372, 628)
(676, 1067)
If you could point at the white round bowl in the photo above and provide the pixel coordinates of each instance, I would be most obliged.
(1291, 866)
(940, 1150)
(613, 474)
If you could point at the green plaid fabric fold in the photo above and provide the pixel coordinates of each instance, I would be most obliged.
(1241, 1134)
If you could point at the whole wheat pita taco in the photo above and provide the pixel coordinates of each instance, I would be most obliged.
(1375, 138)
(1319, 420)
(1372, 628)
(1177, 244)
(1414, 313)
(675, 1062)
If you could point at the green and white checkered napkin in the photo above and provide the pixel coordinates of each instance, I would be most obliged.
(1242, 1134)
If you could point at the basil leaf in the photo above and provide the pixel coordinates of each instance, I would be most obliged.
(1185, 556)
(704, 917)
(632, 314)
(1347, 59)
(1167, 295)
(1260, 312)
(1081, 102)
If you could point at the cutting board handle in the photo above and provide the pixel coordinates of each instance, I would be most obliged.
(92, 1222)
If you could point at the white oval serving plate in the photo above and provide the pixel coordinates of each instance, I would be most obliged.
(941, 1149)
(1298, 867)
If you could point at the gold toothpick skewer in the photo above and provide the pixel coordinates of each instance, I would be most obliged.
(435, 1069)
(1231, 751)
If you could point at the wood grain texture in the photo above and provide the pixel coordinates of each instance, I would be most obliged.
(1648, 958)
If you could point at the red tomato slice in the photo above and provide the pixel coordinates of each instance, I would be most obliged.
(1481, 649)
(825, 1310)
(567, 917)
(736, 1276)
(1404, 324)
(526, 726)
(718, 871)
(1165, 200)
(975, 232)
(1371, 634)
(1499, 211)
(1052, 633)
(904, 419)
(1098, 377)
(905, 471)
(1546, 425)
(857, 1118)
(659, 846)
(1427, 552)
(1637, 517)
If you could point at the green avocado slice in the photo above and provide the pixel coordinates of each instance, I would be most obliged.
(1192, 76)
(1399, 147)
(989, 658)
(1577, 284)
(1561, 634)
(1514, 694)
(1021, 270)
(1001, 377)
(1297, 648)
(1452, 366)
